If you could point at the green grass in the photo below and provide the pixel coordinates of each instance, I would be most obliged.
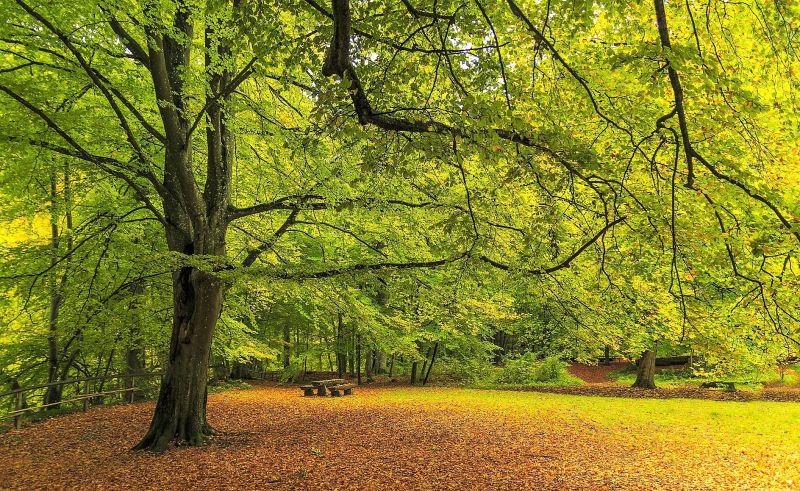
(751, 380)
(564, 380)
(753, 424)
(228, 385)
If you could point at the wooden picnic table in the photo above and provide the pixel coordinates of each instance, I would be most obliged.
(334, 386)
(333, 381)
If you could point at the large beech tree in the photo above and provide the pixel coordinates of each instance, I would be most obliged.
(165, 77)
(478, 136)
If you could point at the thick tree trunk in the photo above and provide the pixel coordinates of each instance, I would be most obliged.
(181, 408)
(645, 373)
(195, 218)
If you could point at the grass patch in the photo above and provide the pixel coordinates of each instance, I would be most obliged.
(228, 385)
(752, 424)
(749, 380)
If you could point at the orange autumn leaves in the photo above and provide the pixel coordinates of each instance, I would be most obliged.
(385, 438)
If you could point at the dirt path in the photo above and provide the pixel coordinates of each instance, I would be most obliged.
(271, 438)
(595, 374)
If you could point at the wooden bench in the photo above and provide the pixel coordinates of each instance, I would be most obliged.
(338, 390)
(718, 384)
(322, 387)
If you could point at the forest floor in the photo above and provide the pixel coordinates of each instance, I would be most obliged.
(599, 383)
(596, 374)
(269, 437)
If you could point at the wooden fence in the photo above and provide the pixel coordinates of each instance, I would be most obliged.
(83, 392)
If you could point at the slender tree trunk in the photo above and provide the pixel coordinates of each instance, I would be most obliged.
(287, 346)
(134, 360)
(499, 341)
(15, 386)
(351, 359)
(391, 366)
(607, 353)
(104, 371)
(380, 362)
(305, 359)
(425, 363)
(287, 353)
(369, 364)
(645, 373)
(430, 366)
(358, 357)
(341, 351)
(53, 393)
(134, 353)
(413, 372)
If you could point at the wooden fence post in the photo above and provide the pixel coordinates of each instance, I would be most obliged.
(18, 407)
(133, 389)
(86, 396)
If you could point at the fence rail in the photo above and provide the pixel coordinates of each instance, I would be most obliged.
(85, 395)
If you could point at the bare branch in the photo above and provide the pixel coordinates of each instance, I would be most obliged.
(372, 267)
(563, 264)
(253, 254)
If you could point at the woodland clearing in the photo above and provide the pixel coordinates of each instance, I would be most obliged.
(270, 437)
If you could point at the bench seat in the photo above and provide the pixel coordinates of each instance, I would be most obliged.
(333, 381)
(341, 389)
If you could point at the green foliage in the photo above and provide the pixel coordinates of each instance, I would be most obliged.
(709, 268)
(228, 385)
(526, 370)
(752, 379)
(521, 370)
(467, 371)
(551, 369)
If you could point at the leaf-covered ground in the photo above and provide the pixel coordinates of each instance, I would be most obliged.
(421, 438)
(599, 383)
